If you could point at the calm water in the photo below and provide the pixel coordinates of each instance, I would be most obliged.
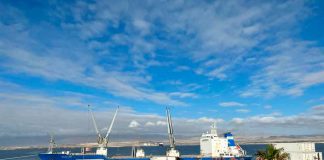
(184, 150)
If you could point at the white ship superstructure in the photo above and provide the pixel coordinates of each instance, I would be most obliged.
(211, 145)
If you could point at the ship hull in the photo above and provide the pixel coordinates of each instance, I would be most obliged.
(71, 157)
(101, 157)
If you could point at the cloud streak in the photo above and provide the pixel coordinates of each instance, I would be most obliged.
(292, 68)
(276, 123)
(231, 104)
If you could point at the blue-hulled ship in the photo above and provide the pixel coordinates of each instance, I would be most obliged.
(212, 147)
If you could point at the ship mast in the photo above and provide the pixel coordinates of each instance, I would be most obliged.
(213, 129)
(51, 144)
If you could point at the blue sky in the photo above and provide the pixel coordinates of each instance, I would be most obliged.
(241, 63)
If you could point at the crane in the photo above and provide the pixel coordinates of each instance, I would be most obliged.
(103, 141)
(172, 152)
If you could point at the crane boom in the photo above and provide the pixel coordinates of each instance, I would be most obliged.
(170, 128)
(94, 122)
(111, 125)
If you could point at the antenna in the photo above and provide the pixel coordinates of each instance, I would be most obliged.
(110, 127)
(95, 125)
(51, 144)
(213, 129)
(170, 128)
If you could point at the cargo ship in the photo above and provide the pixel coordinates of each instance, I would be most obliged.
(212, 147)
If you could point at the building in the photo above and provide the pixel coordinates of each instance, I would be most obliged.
(300, 151)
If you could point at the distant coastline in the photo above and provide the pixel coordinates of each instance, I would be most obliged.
(191, 141)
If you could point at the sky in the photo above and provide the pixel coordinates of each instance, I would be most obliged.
(242, 64)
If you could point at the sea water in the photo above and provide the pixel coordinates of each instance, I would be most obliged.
(31, 154)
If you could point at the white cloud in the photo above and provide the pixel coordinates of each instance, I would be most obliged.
(231, 104)
(149, 124)
(70, 60)
(183, 95)
(174, 82)
(223, 47)
(215, 44)
(182, 68)
(218, 73)
(238, 120)
(319, 107)
(40, 114)
(242, 110)
(65, 113)
(266, 119)
(267, 107)
(161, 123)
(134, 124)
(53, 67)
(210, 120)
(142, 25)
(157, 123)
(205, 120)
(221, 38)
(276, 123)
(284, 74)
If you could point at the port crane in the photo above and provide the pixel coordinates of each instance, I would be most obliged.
(102, 140)
(172, 152)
